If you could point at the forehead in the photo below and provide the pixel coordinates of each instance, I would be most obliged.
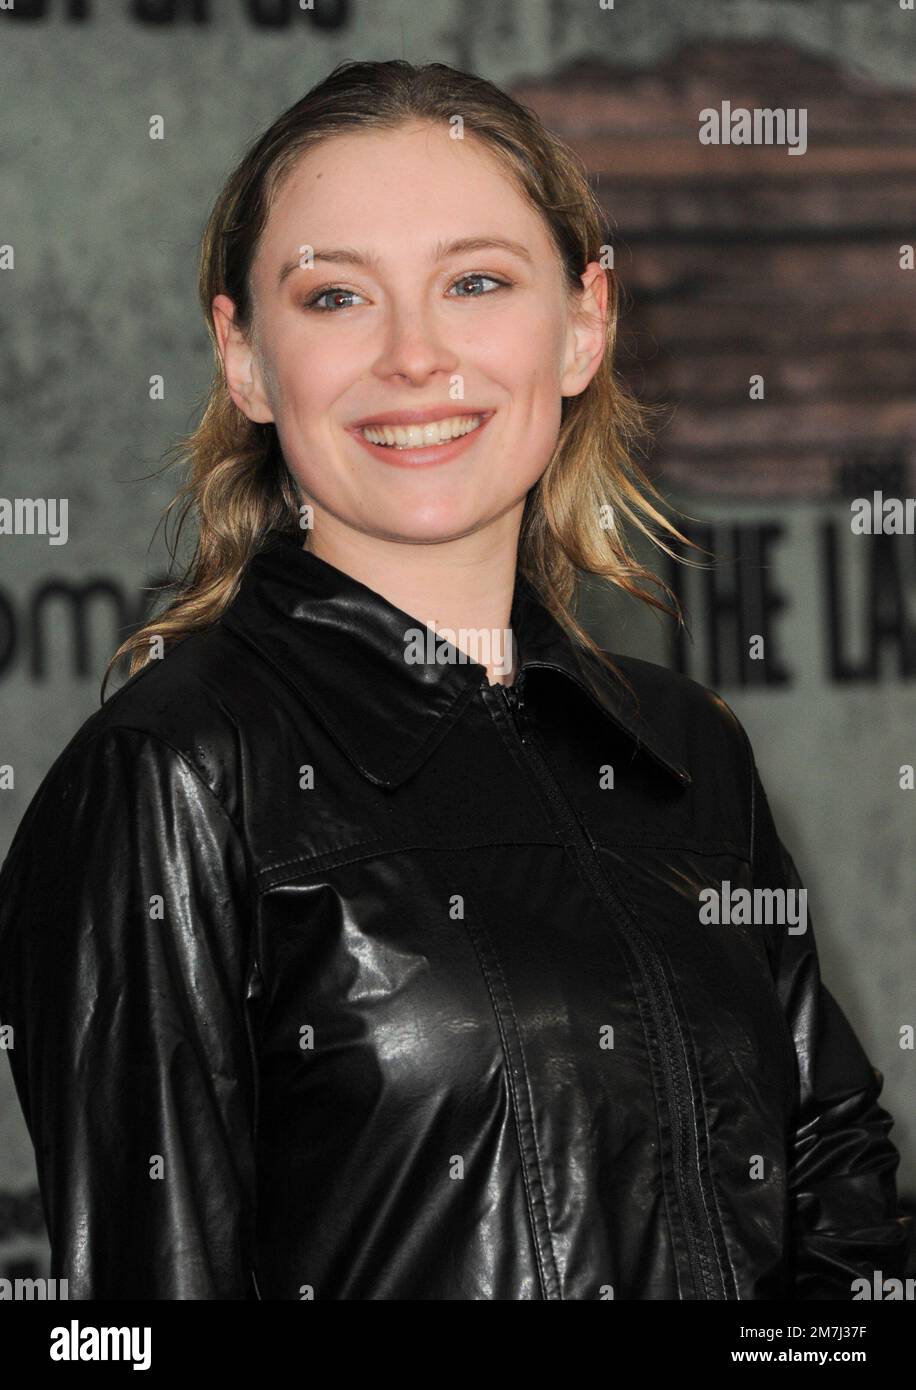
(397, 192)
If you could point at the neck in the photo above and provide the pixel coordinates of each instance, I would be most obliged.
(466, 583)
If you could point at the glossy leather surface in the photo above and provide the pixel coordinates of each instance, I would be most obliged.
(337, 977)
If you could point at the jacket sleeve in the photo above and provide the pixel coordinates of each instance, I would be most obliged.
(841, 1163)
(123, 926)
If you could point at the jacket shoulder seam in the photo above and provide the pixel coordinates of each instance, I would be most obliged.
(158, 738)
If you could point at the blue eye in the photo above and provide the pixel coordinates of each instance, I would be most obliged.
(312, 303)
(479, 276)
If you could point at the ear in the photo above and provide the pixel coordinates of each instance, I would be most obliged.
(243, 374)
(586, 334)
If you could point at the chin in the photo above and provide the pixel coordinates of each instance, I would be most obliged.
(425, 527)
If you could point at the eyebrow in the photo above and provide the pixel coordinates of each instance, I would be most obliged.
(347, 255)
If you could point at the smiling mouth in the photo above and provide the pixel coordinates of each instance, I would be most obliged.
(421, 436)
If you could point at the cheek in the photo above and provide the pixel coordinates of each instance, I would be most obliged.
(309, 385)
(525, 355)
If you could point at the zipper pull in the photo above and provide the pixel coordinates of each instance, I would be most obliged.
(516, 708)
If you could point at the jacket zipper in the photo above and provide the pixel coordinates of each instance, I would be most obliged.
(704, 1260)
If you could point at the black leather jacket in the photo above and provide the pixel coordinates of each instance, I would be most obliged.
(335, 976)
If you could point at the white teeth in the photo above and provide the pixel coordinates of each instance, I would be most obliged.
(420, 436)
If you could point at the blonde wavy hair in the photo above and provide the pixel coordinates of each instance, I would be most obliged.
(238, 485)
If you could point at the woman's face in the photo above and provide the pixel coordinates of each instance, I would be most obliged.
(394, 317)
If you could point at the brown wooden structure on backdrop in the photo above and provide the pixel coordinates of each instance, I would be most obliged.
(744, 259)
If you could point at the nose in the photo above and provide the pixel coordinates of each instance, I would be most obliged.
(415, 346)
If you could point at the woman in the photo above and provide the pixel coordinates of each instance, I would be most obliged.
(361, 946)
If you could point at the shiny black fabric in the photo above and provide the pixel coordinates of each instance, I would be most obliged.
(334, 976)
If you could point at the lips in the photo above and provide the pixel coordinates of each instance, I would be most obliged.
(407, 452)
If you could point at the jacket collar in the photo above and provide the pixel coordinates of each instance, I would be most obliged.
(340, 645)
